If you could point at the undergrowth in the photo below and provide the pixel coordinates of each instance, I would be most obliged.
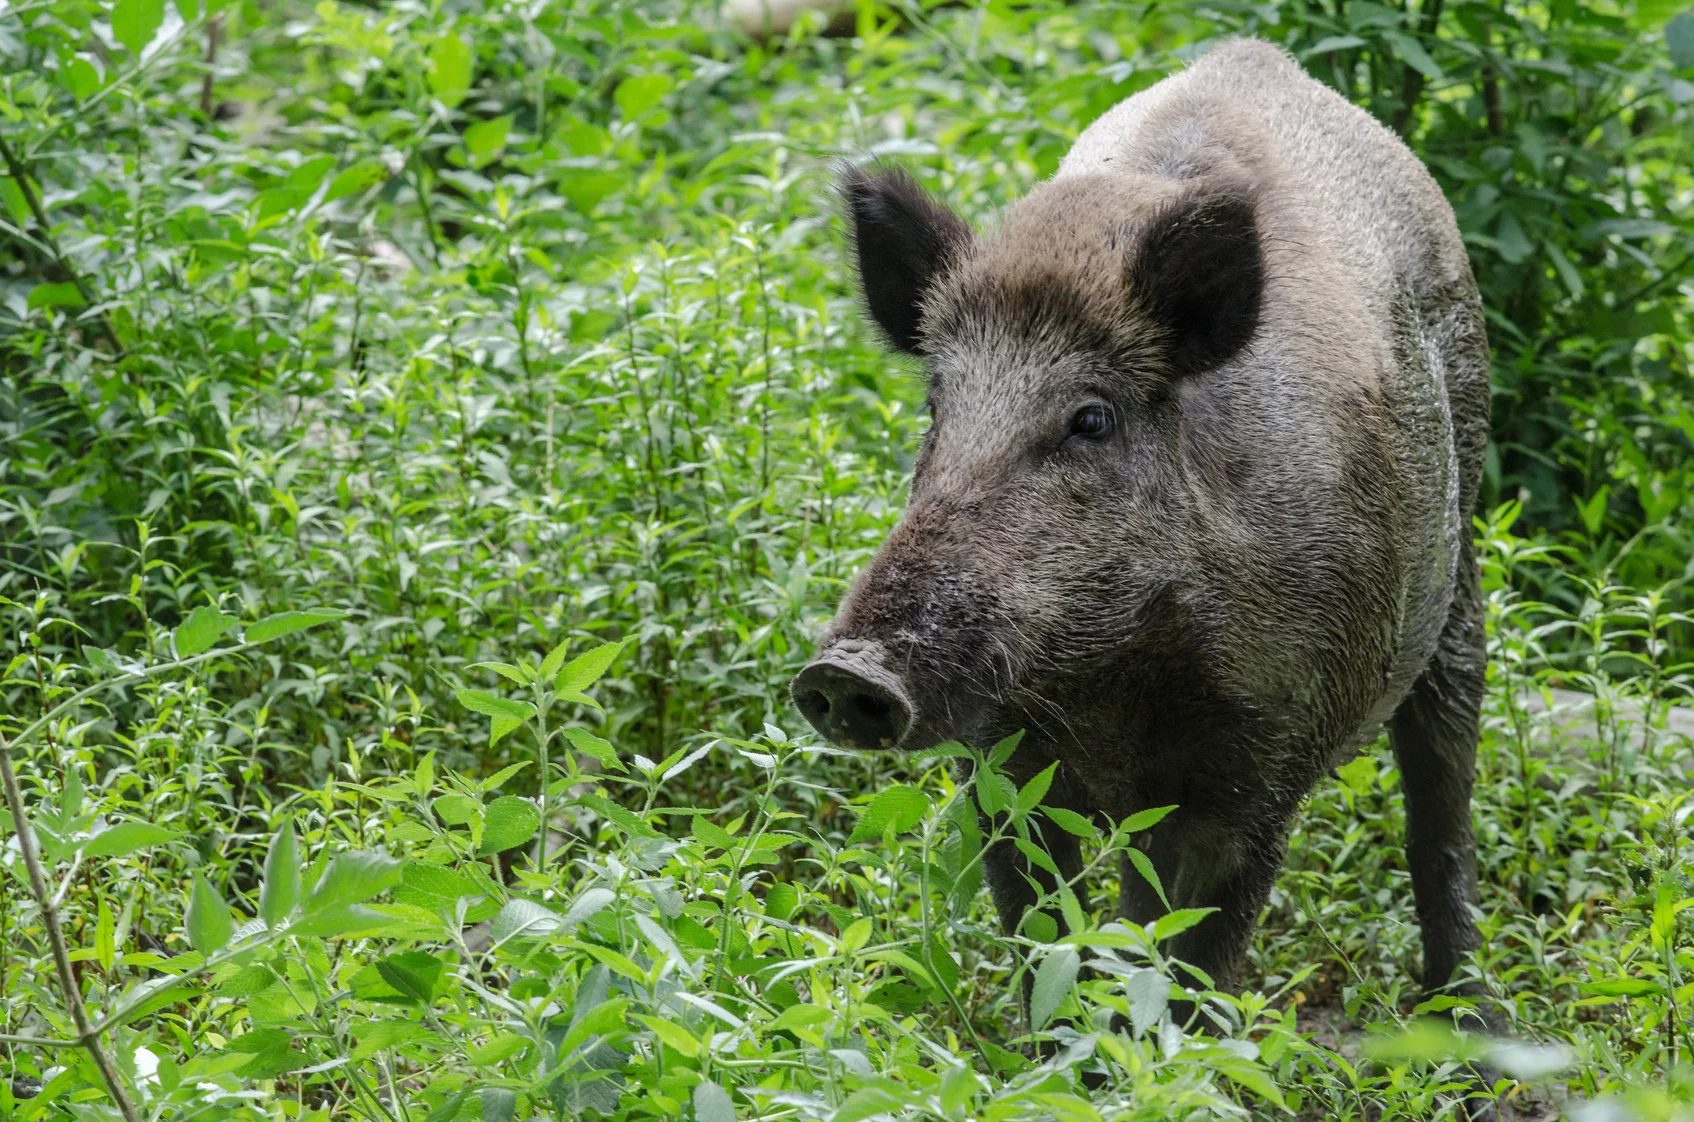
(423, 422)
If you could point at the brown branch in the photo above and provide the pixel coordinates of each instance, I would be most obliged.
(213, 26)
(86, 1034)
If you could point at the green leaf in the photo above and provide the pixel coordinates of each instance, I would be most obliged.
(81, 78)
(210, 924)
(449, 70)
(353, 878)
(204, 626)
(125, 838)
(62, 295)
(361, 176)
(900, 807)
(1146, 819)
(498, 779)
(499, 1104)
(637, 95)
(621, 817)
(507, 714)
(1175, 923)
(1409, 51)
(594, 747)
(485, 138)
(712, 1103)
(1148, 992)
(586, 188)
(709, 833)
(455, 809)
(554, 659)
(413, 974)
(287, 623)
(509, 822)
(781, 899)
(1359, 775)
(1679, 40)
(1148, 873)
(1071, 822)
(135, 22)
(1053, 981)
(281, 888)
(584, 670)
(1036, 789)
(1622, 987)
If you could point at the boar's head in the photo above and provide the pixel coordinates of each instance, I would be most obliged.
(1049, 568)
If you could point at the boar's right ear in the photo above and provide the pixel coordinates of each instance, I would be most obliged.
(904, 239)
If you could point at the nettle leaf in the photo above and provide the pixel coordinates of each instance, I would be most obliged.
(1071, 822)
(900, 807)
(1146, 819)
(209, 921)
(583, 671)
(204, 626)
(55, 294)
(509, 822)
(125, 838)
(280, 891)
(712, 1103)
(1053, 981)
(361, 176)
(637, 95)
(506, 714)
(1679, 40)
(287, 623)
(1036, 789)
(621, 817)
(351, 879)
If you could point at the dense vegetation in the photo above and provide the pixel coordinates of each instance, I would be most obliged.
(418, 422)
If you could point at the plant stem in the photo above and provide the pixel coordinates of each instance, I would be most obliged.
(86, 1035)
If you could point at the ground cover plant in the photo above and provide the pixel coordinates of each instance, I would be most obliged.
(420, 422)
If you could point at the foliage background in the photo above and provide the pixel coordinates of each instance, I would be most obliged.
(499, 326)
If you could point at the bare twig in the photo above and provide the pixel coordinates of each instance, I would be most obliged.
(86, 1036)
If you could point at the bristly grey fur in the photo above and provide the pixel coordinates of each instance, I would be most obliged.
(1263, 560)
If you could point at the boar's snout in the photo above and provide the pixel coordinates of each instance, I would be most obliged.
(850, 696)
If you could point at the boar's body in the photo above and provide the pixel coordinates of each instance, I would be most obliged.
(1209, 413)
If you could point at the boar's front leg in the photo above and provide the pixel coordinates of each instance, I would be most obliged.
(1204, 861)
(1434, 735)
(1009, 874)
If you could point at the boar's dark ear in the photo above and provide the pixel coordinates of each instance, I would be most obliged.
(904, 240)
(1198, 273)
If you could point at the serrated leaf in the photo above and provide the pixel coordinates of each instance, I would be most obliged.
(1144, 820)
(280, 891)
(55, 294)
(506, 713)
(125, 838)
(1036, 789)
(509, 822)
(1148, 992)
(287, 623)
(1053, 980)
(637, 95)
(209, 922)
(204, 626)
(498, 779)
(517, 675)
(900, 808)
(413, 974)
(595, 748)
(456, 809)
(523, 918)
(352, 878)
(621, 817)
(584, 670)
(499, 1104)
(712, 1103)
(1176, 922)
(1071, 822)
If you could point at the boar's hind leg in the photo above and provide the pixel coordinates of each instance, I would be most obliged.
(1434, 735)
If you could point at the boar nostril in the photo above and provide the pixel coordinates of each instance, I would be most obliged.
(851, 699)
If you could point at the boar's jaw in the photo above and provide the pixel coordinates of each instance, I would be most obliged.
(849, 694)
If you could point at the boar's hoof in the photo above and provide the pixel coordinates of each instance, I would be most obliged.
(852, 698)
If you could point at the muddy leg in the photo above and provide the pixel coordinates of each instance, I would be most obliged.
(1434, 735)
(1203, 864)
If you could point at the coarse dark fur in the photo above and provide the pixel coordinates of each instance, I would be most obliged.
(1263, 555)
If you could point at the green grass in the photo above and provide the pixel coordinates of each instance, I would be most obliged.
(496, 334)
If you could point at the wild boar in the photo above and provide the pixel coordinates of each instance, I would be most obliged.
(1208, 414)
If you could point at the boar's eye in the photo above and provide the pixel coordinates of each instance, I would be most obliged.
(1092, 421)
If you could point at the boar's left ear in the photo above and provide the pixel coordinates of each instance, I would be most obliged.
(1198, 274)
(905, 240)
